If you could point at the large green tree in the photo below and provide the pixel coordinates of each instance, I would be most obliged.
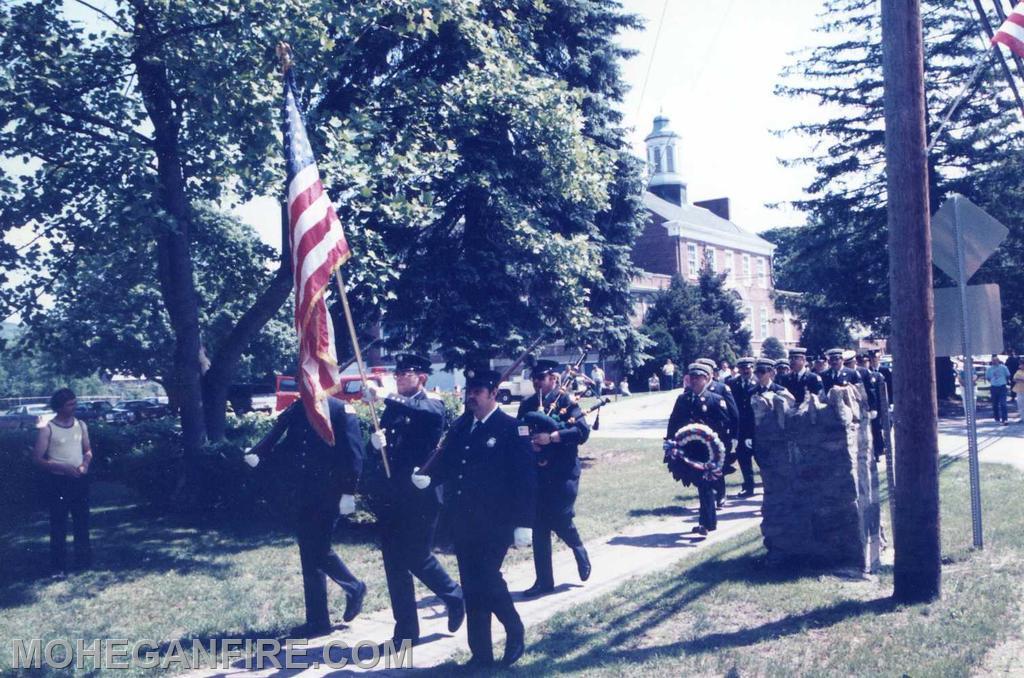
(840, 259)
(688, 321)
(484, 182)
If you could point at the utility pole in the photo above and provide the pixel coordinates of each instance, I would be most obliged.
(918, 568)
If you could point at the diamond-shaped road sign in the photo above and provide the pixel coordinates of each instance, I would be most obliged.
(982, 234)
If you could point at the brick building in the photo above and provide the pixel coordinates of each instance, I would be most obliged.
(681, 238)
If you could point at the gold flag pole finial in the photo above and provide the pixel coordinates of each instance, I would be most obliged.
(284, 55)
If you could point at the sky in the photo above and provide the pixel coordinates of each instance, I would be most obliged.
(712, 70)
(710, 67)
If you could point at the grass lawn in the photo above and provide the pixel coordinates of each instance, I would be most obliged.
(159, 578)
(725, 614)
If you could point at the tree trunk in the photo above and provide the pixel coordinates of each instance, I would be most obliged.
(918, 569)
(217, 380)
(174, 261)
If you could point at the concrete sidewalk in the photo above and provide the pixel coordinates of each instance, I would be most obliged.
(645, 547)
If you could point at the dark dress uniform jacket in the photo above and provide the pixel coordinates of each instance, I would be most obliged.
(719, 388)
(413, 427)
(741, 392)
(558, 464)
(323, 472)
(843, 377)
(488, 477)
(801, 383)
(707, 408)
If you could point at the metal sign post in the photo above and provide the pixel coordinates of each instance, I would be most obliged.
(960, 255)
(968, 379)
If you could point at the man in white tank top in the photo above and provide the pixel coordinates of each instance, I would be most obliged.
(63, 451)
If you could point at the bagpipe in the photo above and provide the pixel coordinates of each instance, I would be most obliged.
(539, 422)
(439, 450)
(694, 453)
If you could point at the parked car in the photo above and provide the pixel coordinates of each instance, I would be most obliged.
(26, 417)
(287, 390)
(138, 410)
(95, 410)
(519, 387)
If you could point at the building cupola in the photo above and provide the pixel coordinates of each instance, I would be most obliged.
(663, 161)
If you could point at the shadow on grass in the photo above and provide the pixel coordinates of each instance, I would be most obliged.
(130, 542)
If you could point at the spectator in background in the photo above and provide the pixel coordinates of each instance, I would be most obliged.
(653, 384)
(597, 374)
(62, 450)
(669, 370)
(998, 378)
(1012, 365)
(724, 370)
(1018, 388)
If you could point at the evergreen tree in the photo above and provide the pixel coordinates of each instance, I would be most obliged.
(840, 259)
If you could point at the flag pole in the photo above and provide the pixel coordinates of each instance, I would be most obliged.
(979, 68)
(359, 361)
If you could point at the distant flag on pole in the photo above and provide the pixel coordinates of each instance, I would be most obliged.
(1011, 33)
(318, 247)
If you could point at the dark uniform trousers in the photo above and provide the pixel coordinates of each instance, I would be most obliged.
(490, 489)
(319, 561)
(324, 474)
(408, 516)
(558, 479)
(742, 390)
(68, 495)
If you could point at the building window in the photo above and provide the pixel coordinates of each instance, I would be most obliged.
(749, 319)
(691, 252)
(709, 259)
(670, 157)
(657, 161)
(764, 324)
(727, 265)
(787, 330)
(746, 271)
(762, 272)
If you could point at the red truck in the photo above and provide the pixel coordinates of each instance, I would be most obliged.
(287, 388)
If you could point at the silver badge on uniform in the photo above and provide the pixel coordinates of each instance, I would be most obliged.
(523, 430)
(491, 442)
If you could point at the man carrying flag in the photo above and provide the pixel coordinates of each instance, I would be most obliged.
(327, 465)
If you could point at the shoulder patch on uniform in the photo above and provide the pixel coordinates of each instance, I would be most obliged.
(523, 430)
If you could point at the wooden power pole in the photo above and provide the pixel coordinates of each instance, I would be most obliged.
(918, 569)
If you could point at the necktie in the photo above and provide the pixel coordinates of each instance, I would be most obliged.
(476, 422)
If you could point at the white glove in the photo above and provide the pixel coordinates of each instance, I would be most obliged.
(873, 414)
(378, 440)
(347, 505)
(370, 393)
(522, 536)
(251, 459)
(421, 482)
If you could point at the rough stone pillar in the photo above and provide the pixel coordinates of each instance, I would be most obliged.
(821, 501)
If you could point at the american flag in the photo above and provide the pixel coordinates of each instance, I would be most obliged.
(1011, 33)
(318, 247)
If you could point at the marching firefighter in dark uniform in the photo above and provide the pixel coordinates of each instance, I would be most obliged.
(764, 374)
(719, 388)
(698, 405)
(411, 426)
(874, 385)
(781, 369)
(742, 385)
(800, 380)
(836, 374)
(325, 478)
(557, 429)
(487, 469)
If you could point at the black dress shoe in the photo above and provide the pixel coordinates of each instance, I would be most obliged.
(354, 602)
(456, 615)
(582, 563)
(515, 645)
(538, 589)
(745, 493)
(310, 630)
(720, 502)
